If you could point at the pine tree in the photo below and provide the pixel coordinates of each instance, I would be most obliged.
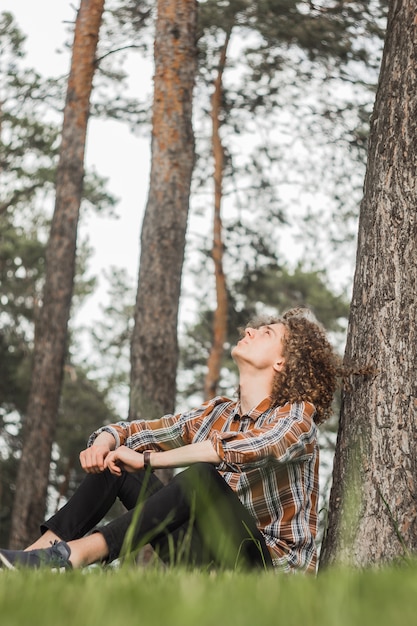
(51, 327)
(154, 351)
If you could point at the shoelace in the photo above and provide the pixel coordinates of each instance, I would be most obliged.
(61, 556)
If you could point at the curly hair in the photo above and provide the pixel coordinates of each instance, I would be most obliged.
(311, 367)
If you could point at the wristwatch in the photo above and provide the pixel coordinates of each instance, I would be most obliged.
(147, 460)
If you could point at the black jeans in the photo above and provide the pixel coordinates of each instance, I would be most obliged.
(195, 520)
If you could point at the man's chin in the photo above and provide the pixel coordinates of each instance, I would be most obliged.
(236, 352)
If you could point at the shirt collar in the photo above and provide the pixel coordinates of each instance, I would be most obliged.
(256, 411)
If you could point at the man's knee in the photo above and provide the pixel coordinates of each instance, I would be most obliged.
(203, 480)
(202, 474)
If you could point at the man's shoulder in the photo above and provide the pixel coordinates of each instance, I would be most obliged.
(217, 403)
(218, 400)
(297, 409)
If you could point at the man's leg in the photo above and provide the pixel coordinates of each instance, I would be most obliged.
(199, 497)
(93, 499)
(197, 502)
(226, 528)
(89, 504)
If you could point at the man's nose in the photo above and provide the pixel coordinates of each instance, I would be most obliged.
(250, 331)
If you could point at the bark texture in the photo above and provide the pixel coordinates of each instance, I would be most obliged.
(372, 517)
(52, 324)
(221, 312)
(154, 349)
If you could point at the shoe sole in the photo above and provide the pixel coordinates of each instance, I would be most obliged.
(6, 562)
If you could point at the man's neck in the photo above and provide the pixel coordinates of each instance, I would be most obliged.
(253, 389)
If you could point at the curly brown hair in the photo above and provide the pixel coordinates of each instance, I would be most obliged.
(311, 367)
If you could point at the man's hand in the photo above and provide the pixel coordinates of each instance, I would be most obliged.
(123, 459)
(93, 459)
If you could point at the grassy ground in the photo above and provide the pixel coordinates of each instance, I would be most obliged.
(174, 597)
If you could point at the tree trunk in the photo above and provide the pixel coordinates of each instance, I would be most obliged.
(373, 500)
(51, 327)
(221, 312)
(154, 348)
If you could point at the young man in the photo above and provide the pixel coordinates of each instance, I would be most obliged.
(248, 497)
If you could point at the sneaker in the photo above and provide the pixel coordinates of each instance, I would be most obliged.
(55, 557)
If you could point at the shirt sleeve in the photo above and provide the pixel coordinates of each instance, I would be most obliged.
(290, 435)
(161, 434)
(166, 433)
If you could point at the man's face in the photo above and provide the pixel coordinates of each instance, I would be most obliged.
(261, 347)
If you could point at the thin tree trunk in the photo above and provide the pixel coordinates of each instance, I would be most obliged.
(221, 312)
(154, 348)
(372, 515)
(51, 328)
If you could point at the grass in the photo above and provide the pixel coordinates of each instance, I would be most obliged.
(175, 597)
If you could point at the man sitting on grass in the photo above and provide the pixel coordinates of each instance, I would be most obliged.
(248, 497)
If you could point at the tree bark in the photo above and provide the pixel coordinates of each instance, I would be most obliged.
(51, 328)
(221, 312)
(154, 348)
(372, 516)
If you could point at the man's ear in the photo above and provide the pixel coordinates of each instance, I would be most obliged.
(279, 365)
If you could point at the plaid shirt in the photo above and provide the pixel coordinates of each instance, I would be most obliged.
(269, 458)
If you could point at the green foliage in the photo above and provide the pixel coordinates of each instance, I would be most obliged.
(28, 142)
(30, 133)
(127, 26)
(282, 289)
(301, 34)
(111, 336)
(14, 366)
(97, 598)
(21, 268)
(83, 407)
(127, 23)
(298, 89)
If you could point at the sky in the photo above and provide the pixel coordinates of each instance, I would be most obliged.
(112, 149)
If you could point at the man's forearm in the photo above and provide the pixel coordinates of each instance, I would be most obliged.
(185, 455)
(105, 439)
